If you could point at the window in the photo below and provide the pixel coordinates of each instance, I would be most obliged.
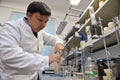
(50, 29)
(16, 15)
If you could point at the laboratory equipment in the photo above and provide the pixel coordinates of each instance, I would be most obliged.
(91, 70)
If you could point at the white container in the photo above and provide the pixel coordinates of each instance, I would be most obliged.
(111, 25)
(106, 29)
(108, 72)
(101, 2)
(105, 78)
(82, 43)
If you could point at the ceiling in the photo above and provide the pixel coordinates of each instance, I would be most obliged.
(58, 5)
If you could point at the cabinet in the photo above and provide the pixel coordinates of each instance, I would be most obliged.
(107, 11)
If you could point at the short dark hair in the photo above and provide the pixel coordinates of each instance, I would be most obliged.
(37, 6)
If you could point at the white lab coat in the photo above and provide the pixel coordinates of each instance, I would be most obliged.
(19, 48)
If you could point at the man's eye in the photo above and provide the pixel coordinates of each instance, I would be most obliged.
(46, 21)
(40, 20)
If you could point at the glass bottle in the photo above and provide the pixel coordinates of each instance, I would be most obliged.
(91, 70)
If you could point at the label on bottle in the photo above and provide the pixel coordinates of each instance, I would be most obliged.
(91, 73)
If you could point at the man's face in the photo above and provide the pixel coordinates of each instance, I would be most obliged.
(37, 21)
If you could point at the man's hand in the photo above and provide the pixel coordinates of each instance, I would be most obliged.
(54, 58)
(59, 47)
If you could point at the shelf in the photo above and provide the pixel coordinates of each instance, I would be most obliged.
(73, 42)
(106, 12)
(110, 38)
(71, 33)
(73, 55)
(82, 28)
(114, 52)
(85, 15)
(106, 9)
(110, 41)
(109, 8)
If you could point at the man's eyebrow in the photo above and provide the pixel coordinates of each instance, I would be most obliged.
(42, 17)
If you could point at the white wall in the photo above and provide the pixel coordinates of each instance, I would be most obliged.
(6, 7)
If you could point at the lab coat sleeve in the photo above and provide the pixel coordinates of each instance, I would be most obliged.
(50, 39)
(13, 57)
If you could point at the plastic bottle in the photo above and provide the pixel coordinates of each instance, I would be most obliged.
(91, 70)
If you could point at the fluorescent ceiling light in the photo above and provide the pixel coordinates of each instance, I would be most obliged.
(61, 27)
(74, 2)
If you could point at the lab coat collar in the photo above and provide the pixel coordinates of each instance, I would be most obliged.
(26, 26)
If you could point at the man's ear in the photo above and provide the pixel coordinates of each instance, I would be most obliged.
(29, 14)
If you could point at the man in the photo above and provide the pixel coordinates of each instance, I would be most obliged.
(21, 43)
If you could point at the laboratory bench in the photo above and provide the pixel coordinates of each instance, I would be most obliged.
(52, 77)
(76, 76)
